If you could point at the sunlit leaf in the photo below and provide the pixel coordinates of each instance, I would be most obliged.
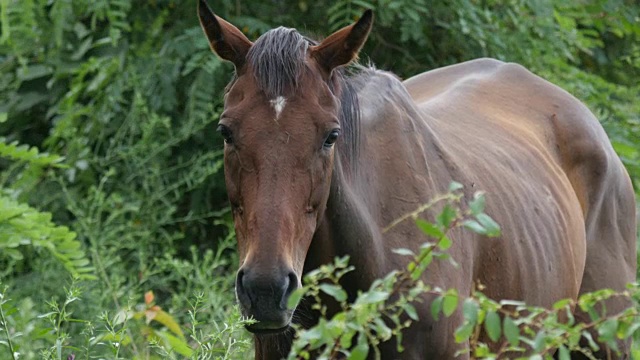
(492, 325)
(334, 291)
(449, 303)
(511, 331)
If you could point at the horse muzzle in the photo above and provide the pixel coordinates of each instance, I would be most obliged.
(264, 298)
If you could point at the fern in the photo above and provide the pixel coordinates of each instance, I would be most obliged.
(22, 225)
(115, 12)
(344, 12)
(19, 24)
(24, 153)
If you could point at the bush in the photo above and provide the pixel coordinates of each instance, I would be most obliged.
(121, 99)
(513, 329)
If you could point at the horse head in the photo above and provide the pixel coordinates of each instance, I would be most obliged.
(281, 125)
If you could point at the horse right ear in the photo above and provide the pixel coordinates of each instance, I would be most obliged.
(225, 39)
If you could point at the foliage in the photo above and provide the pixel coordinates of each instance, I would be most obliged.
(492, 330)
(538, 333)
(21, 225)
(201, 325)
(365, 323)
(107, 118)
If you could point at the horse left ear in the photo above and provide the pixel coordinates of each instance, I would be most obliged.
(341, 47)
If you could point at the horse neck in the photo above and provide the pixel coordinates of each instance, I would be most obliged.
(348, 228)
(353, 220)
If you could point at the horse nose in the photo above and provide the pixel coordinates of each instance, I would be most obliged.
(264, 296)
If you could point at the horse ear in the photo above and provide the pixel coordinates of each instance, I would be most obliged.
(342, 47)
(225, 39)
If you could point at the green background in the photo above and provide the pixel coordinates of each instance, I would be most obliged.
(108, 112)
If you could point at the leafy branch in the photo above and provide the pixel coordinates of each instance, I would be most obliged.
(387, 307)
(492, 329)
(22, 225)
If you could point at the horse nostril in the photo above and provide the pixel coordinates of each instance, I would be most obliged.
(290, 285)
(293, 284)
(239, 279)
(241, 291)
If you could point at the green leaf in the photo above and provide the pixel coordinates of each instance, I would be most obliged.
(346, 338)
(445, 243)
(436, 307)
(36, 229)
(492, 227)
(411, 311)
(592, 344)
(454, 185)
(539, 341)
(464, 332)
(563, 353)
(474, 226)
(492, 325)
(404, 252)
(482, 351)
(167, 320)
(372, 296)
(30, 155)
(295, 297)
(177, 344)
(561, 304)
(477, 204)
(607, 330)
(429, 229)
(628, 330)
(334, 291)
(450, 302)
(516, 303)
(565, 22)
(470, 310)
(361, 350)
(446, 217)
(511, 331)
(382, 330)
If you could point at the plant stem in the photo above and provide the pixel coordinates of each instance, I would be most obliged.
(417, 212)
(5, 327)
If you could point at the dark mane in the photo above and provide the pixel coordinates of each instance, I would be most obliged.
(349, 120)
(277, 60)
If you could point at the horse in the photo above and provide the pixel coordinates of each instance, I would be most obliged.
(318, 160)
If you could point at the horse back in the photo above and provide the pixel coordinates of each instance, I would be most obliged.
(547, 159)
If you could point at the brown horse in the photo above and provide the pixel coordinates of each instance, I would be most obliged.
(317, 162)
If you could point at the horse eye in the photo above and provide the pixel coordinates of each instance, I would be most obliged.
(331, 138)
(226, 133)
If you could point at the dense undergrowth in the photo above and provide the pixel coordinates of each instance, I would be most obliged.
(115, 236)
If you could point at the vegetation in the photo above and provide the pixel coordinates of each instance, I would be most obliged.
(115, 236)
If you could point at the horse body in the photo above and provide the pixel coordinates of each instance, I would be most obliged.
(545, 150)
(553, 181)
(420, 146)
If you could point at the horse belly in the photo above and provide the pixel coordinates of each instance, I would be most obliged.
(540, 255)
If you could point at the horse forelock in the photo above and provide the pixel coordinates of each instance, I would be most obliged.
(277, 59)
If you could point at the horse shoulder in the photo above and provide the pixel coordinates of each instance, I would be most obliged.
(571, 132)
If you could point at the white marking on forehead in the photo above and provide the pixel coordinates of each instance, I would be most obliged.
(278, 105)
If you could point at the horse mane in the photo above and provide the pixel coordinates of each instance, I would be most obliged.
(278, 60)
